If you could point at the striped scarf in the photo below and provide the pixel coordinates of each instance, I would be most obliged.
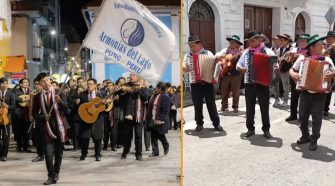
(60, 122)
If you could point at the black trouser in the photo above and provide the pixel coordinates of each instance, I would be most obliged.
(110, 133)
(5, 136)
(147, 135)
(84, 143)
(311, 104)
(120, 132)
(294, 99)
(53, 149)
(75, 134)
(155, 136)
(173, 118)
(199, 92)
(262, 93)
(129, 128)
(38, 139)
(22, 126)
(327, 101)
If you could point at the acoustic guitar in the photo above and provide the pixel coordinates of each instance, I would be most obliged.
(4, 120)
(229, 62)
(24, 97)
(90, 111)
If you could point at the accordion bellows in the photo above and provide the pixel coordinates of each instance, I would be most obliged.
(202, 68)
(312, 73)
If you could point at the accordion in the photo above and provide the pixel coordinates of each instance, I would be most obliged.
(312, 73)
(259, 68)
(203, 68)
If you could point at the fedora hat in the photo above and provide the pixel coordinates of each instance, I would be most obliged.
(304, 36)
(253, 34)
(331, 34)
(314, 39)
(235, 38)
(285, 36)
(193, 39)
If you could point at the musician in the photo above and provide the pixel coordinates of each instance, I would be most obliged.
(158, 109)
(75, 120)
(202, 89)
(110, 128)
(301, 49)
(118, 112)
(231, 81)
(135, 97)
(252, 89)
(283, 68)
(20, 117)
(7, 101)
(54, 125)
(311, 103)
(36, 128)
(330, 46)
(94, 130)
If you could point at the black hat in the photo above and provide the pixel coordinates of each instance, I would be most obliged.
(314, 39)
(193, 39)
(331, 34)
(234, 38)
(253, 34)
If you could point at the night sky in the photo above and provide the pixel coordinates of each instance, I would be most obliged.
(71, 15)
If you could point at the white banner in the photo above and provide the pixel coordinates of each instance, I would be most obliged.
(126, 32)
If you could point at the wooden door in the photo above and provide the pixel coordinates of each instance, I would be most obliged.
(258, 19)
(300, 25)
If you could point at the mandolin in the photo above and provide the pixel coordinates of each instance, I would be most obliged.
(90, 111)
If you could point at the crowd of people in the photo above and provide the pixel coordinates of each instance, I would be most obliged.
(51, 116)
(278, 72)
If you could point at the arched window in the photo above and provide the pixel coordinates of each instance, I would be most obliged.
(201, 10)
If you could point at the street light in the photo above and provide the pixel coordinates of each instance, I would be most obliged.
(53, 32)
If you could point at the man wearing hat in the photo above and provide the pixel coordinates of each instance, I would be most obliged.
(201, 89)
(232, 80)
(330, 52)
(283, 68)
(311, 103)
(275, 43)
(301, 49)
(252, 89)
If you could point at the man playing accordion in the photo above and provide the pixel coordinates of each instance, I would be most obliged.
(312, 102)
(201, 88)
(256, 64)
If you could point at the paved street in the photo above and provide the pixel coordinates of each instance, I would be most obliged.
(162, 171)
(224, 158)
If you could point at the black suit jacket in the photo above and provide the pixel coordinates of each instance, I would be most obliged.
(85, 130)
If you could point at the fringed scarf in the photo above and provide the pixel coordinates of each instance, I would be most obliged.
(139, 109)
(154, 105)
(60, 122)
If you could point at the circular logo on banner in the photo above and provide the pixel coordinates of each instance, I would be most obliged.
(132, 32)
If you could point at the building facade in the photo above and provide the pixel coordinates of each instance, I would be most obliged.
(214, 20)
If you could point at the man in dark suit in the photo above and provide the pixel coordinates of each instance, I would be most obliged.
(157, 119)
(88, 130)
(134, 115)
(54, 125)
(7, 101)
(20, 116)
(36, 128)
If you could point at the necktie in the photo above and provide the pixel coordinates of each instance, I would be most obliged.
(91, 96)
(48, 97)
(2, 95)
